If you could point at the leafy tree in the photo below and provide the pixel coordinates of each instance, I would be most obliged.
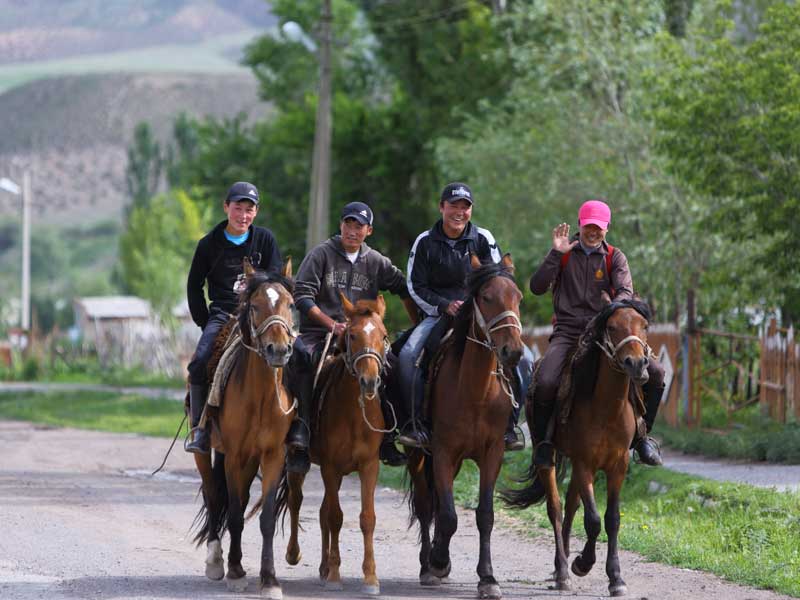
(143, 172)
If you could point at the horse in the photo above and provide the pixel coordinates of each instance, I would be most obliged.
(347, 438)
(595, 435)
(249, 432)
(469, 405)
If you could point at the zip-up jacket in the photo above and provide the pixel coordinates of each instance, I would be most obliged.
(578, 286)
(220, 263)
(326, 271)
(438, 266)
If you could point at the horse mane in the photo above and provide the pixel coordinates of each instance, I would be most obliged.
(586, 359)
(255, 281)
(475, 281)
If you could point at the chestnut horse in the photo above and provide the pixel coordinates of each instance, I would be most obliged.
(347, 438)
(470, 402)
(595, 435)
(249, 432)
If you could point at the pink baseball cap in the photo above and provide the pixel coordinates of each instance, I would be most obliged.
(594, 212)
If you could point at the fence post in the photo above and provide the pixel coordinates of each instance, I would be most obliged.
(694, 415)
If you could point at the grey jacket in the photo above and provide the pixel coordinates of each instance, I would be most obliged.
(326, 270)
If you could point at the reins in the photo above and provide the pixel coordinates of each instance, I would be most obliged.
(610, 349)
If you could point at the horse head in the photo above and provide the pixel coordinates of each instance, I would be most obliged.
(625, 338)
(496, 299)
(265, 315)
(365, 338)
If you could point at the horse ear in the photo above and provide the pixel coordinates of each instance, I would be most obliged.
(347, 305)
(605, 298)
(287, 268)
(507, 262)
(381, 306)
(248, 267)
(474, 261)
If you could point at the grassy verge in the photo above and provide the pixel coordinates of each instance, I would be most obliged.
(744, 534)
(95, 410)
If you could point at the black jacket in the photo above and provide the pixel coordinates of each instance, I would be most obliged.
(438, 266)
(219, 262)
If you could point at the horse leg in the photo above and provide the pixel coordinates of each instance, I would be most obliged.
(294, 502)
(490, 467)
(547, 475)
(369, 478)
(591, 521)
(446, 517)
(271, 465)
(215, 501)
(570, 507)
(238, 494)
(616, 586)
(333, 481)
(422, 506)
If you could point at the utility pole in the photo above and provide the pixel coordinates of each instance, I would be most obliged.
(319, 202)
(26, 252)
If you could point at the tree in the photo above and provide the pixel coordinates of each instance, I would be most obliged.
(143, 172)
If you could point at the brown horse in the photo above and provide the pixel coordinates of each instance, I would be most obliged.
(249, 432)
(595, 436)
(347, 438)
(469, 405)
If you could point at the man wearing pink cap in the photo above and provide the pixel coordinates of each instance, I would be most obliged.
(577, 270)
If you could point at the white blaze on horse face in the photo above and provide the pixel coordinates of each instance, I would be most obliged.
(273, 296)
(368, 328)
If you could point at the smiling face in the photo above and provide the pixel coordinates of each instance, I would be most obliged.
(353, 233)
(592, 235)
(455, 216)
(240, 216)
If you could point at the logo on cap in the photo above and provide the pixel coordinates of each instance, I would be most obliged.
(460, 191)
(364, 213)
(252, 192)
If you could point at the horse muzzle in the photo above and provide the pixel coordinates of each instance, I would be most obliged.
(369, 385)
(509, 356)
(277, 355)
(636, 369)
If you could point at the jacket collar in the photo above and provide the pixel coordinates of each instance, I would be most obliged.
(335, 242)
(601, 249)
(437, 232)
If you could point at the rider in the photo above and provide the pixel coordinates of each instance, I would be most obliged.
(578, 283)
(343, 263)
(438, 266)
(219, 259)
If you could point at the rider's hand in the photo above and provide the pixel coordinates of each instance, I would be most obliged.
(338, 328)
(561, 241)
(453, 307)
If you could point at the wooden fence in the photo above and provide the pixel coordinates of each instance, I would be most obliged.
(780, 374)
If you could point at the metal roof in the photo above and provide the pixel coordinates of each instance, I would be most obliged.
(114, 307)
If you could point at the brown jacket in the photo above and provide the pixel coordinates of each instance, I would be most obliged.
(576, 290)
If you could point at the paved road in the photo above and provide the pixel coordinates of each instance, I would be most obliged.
(81, 519)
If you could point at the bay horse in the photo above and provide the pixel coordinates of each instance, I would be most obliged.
(249, 432)
(469, 405)
(595, 435)
(347, 437)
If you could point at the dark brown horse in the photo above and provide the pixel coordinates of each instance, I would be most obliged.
(348, 434)
(595, 436)
(469, 406)
(249, 432)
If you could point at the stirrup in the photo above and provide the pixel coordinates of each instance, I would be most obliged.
(414, 438)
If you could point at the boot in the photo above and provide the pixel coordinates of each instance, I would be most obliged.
(298, 437)
(514, 441)
(199, 443)
(389, 454)
(416, 432)
(543, 456)
(646, 447)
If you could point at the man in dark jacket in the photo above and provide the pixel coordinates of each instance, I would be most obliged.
(578, 284)
(218, 260)
(438, 266)
(343, 263)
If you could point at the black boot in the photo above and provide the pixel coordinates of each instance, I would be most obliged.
(389, 454)
(199, 444)
(416, 432)
(646, 447)
(543, 456)
(514, 441)
(298, 437)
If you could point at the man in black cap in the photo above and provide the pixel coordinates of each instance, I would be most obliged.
(342, 263)
(219, 260)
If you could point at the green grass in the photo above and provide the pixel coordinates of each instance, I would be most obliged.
(210, 56)
(744, 534)
(100, 411)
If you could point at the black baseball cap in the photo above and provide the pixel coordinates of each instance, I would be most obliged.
(456, 191)
(358, 211)
(242, 190)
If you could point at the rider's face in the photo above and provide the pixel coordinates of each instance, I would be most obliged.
(240, 216)
(353, 234)
(455, 216)
(592, 235)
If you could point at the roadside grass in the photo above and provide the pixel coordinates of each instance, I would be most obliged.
(101, 411)
(744, 534)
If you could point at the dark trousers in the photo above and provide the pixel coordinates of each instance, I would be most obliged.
(198, 367)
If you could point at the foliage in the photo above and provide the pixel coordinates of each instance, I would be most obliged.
(157, 247)
(143, 173)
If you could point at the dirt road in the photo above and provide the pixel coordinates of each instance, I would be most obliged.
(81, 519)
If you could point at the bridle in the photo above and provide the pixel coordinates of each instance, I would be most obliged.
(610, 349)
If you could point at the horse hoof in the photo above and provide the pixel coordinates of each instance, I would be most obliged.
(333, 586)
(293, 559)
(619, 589)
(489, 590)
(576, 568)
(563, 586)
(215, 567)
(273, 592)
(236, 585)
(215, 571)
(440, 573)
(429, 580)
(371, 589)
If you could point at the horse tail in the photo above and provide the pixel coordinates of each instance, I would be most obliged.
(416, 497)
(202, 521)
(281, 498)
(534, 492)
